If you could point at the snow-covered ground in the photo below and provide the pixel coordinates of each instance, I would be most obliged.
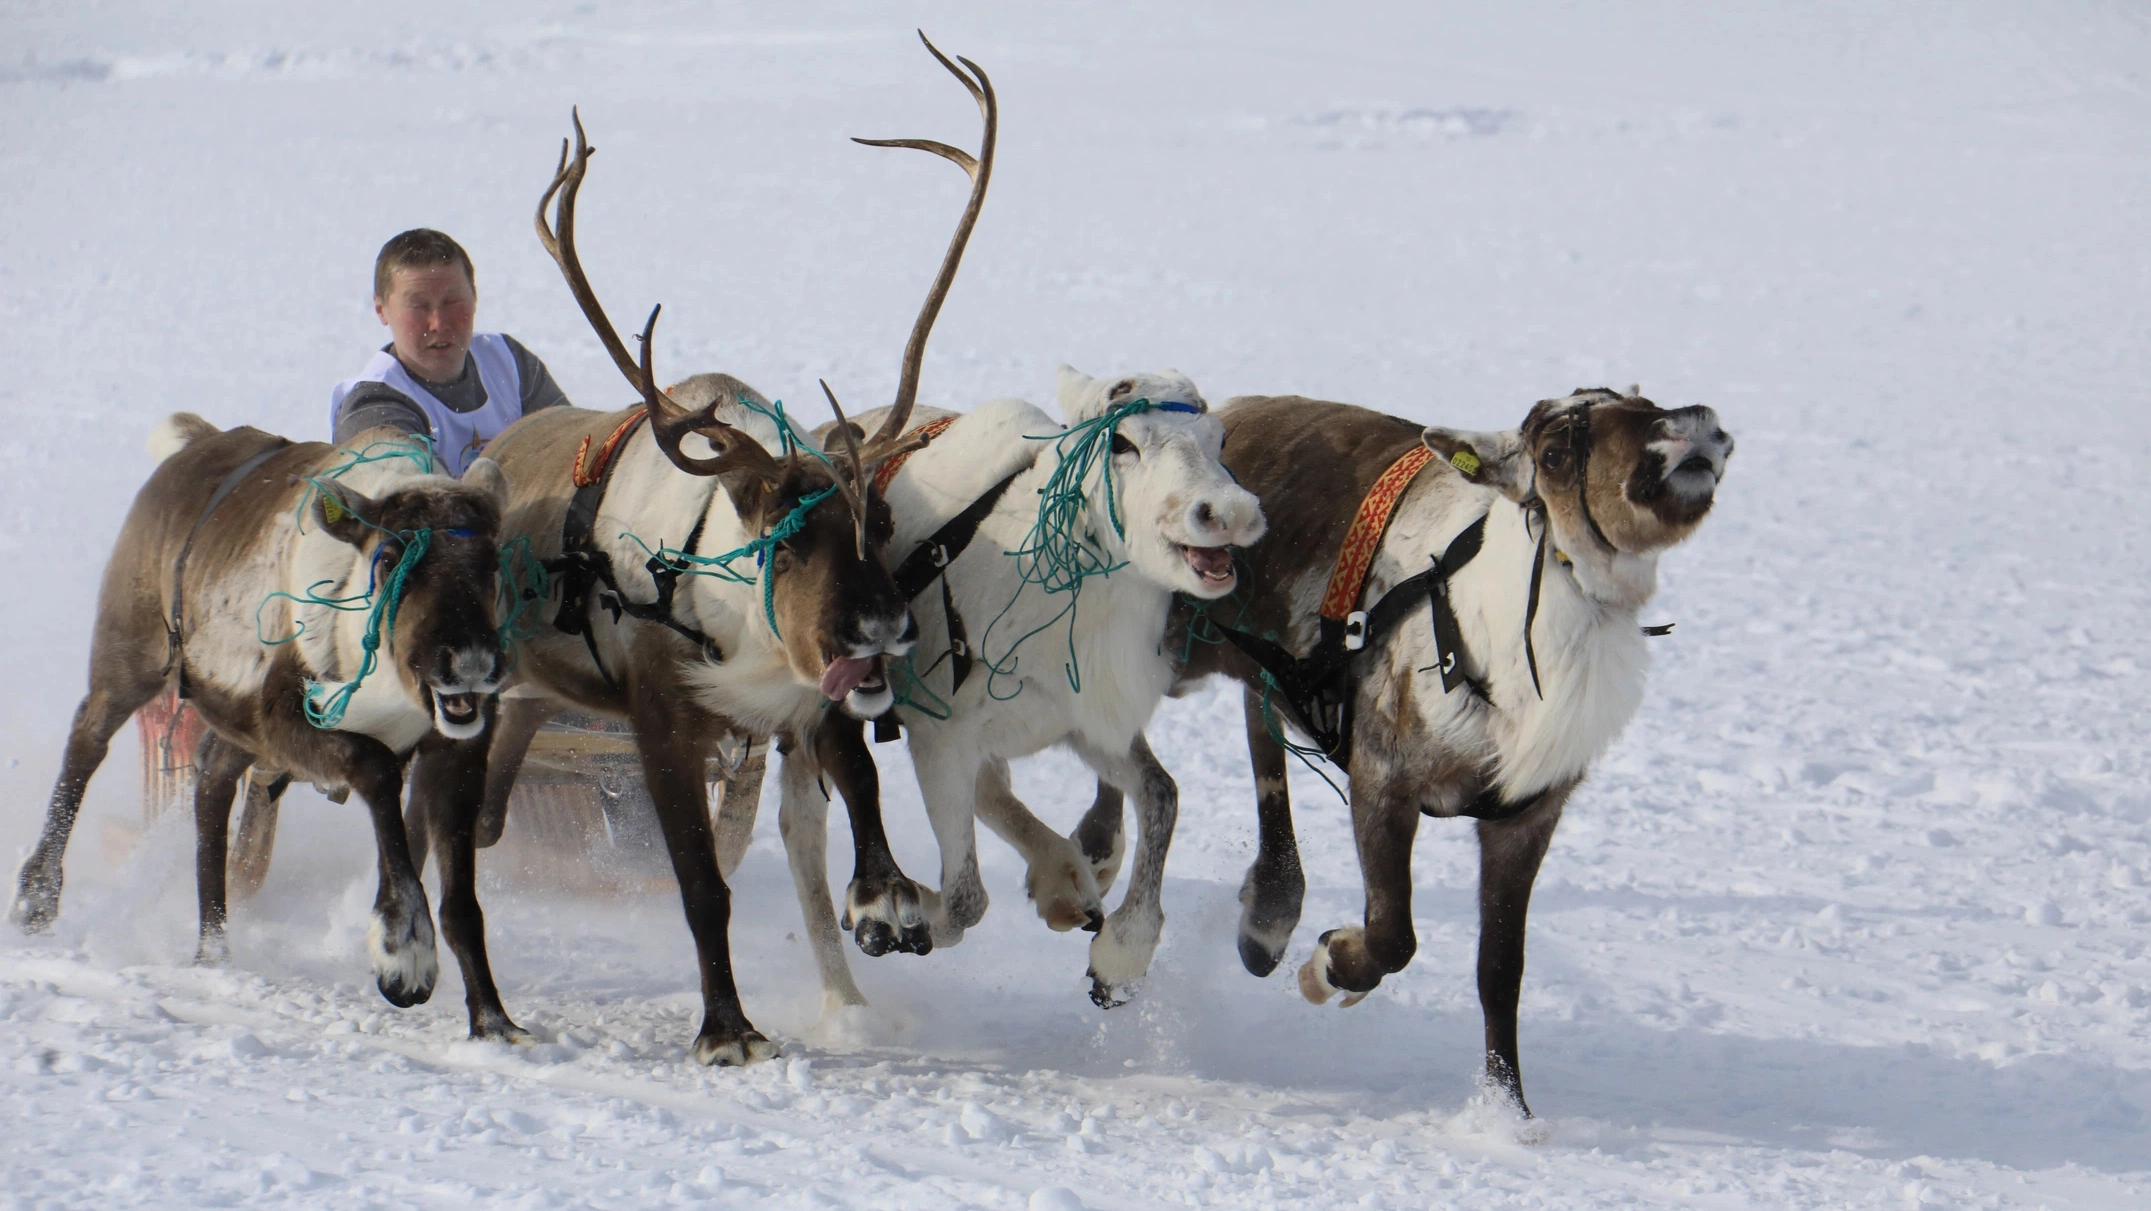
(1855, 914)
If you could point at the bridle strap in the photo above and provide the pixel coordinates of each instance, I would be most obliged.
(1580, 442)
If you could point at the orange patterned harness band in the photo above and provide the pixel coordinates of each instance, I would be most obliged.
(1361, 541)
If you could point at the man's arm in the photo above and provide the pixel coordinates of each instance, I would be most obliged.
(539, 389)
(373, 405)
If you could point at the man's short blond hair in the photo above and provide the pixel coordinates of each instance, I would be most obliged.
(416, 249)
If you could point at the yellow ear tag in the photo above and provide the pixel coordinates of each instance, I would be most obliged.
(332, 510)
(1465, 461)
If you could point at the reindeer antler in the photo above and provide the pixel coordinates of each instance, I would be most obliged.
(669, 422)
(889, 441)
(853, 488)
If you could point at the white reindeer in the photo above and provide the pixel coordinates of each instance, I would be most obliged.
(1133, 493)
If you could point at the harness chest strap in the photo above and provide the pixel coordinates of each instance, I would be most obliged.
(929, 562)
(583, 568)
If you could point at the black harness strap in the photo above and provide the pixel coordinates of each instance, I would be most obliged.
(929, 562)
(586, 578)
(1318, 688)
(175, 623)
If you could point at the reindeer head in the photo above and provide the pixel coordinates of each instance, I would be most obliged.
(444, 646)
(1174, 509)
(834, 606)
(1614, 471)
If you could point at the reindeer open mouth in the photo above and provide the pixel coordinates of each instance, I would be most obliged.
(1212, 564)
(458, 715)
(847, 675)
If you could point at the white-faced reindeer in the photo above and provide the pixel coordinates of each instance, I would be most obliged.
(703, 597)
(327, 616)
(1043, 564)
(1471, 660)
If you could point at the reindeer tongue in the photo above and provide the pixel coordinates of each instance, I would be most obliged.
(844, 675)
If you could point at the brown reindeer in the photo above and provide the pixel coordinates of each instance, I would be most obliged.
(223, 578)
(1539, 545)
(798, 622)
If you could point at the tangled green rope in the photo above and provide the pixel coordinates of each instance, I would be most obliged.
(1059, 552)
(720, 566)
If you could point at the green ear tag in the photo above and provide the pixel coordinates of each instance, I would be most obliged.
(332, 510)
(1465, 461)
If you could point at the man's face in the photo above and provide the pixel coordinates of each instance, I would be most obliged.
(430, 310)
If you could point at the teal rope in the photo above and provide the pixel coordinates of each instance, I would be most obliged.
(1058, 554)
(721, 565)
(913, 692)
(524, 585)
(417, 447)
(329, 712)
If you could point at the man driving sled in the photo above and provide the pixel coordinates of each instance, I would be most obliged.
(437, 376)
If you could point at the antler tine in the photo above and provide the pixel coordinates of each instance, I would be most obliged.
(980, 169)
(668, 421)
(559, 242)
(855, 491)
(736, 450)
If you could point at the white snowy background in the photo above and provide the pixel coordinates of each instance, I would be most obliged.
(1854, 915)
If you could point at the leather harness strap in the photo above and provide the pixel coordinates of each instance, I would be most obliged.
(886, 472)
(929, 562)
(586, 573)
(1364, 538)
(582, 476)
(174, 626)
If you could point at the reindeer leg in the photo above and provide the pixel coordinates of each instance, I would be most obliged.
(948, 780)
(1101, 837)
(449, 778)
(117, 690)
(1355, 958)
(1271, 895)
(400, 939)
(512, 731)
(1058, 874)
(675, 756)
(881, 907)
(221, 764)
(739, 801)
(256, 839)
(1120, 955)
(1509, 855)
(803, 819)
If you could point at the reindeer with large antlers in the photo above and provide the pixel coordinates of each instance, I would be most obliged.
(772, 613)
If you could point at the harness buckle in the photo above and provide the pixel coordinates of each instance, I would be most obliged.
(1355, 630)
(959, 647)
(939, 555)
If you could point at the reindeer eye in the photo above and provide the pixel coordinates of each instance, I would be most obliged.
(1122, 445)
(1554, 459)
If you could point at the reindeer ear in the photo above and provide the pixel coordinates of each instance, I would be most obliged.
(342, 511)
(486, 476)
(1496, 459)
(1071, 389)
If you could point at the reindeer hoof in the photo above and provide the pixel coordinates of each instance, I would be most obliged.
(1105, 996)
(886, 914)
(35, 905)
(1094, 922)
(1258, 956)
(212, 951)
(733, 1051)
(1314, 982)
(405, 965)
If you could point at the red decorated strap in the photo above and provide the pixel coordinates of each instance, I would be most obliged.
(583, 476)
(1360, 542)
(887, 471)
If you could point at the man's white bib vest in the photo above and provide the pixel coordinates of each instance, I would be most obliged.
(457, 436)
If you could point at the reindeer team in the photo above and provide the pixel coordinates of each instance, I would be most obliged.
(1451, 619)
